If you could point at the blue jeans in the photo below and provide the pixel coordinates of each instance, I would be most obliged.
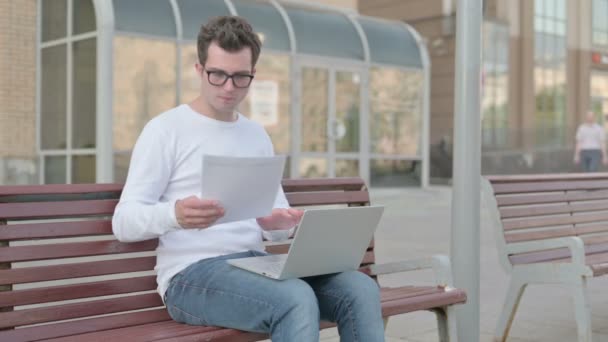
(212, 292)
(591, 160)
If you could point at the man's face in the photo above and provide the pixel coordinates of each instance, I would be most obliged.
(223, 99)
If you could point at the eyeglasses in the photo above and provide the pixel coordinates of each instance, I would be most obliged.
(219, 78)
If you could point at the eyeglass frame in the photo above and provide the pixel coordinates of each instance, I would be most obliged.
(226, 77)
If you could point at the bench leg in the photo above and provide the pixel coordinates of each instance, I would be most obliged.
(582, 311)
(516, 290)
(446, 324)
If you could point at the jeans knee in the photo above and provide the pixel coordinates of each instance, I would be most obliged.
(300, 302)
(361, 288)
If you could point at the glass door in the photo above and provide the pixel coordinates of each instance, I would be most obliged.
(328, 126)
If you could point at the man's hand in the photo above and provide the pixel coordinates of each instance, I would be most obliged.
(281, 219)
(193, 212)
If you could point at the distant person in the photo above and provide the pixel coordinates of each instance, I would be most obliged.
(590, 144)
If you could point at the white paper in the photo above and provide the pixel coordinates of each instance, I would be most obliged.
(246, 187)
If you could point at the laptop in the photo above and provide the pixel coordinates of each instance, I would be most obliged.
(326, 241)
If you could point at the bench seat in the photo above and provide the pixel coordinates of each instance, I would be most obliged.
(64, 277)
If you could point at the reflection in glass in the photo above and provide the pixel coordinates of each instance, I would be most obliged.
(83, 169)
(599, 22)
(83, 16)
(83, 99)
(347, 168)
(348, 98)
(550, 75)
(396, 111)
(313, 167)
(53, 94)
(314, 104)
(495, 123)
(54, 13)
(269, 100)
(394, 173)
(54, 170)
(121, 166)
(144, 85)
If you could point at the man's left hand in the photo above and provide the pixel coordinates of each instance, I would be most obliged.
(281, 219)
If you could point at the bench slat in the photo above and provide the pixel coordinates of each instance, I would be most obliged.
(553, 221)
(394, 301)
(28, 231)
(76, 270)
(547, 186)
(76, 249)
(323, 184)
(524, 199)
(76, 310)
(84, 326)
(540, 234)
(58, 189)
(319, 198)
(528, 211)
(76, 291)
(39, 210)
(553, 254)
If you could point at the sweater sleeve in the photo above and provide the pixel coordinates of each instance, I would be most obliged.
(140, 214)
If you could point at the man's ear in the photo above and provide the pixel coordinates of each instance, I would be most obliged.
(199, 68)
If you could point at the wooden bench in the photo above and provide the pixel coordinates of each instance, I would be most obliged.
(66, 278)
(549, 229)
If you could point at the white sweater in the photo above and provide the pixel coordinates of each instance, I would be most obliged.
(166, 166)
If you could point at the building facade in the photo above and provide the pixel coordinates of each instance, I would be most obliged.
(544, 66)
(332, 90)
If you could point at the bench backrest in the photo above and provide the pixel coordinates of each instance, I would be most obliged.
(537, 207)
(57, 249)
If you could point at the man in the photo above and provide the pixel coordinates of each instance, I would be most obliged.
(590, 144)
(158, 200)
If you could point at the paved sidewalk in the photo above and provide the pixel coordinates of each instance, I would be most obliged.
(417, 223)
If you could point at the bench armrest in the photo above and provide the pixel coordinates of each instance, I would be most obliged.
(573, 243)
(440, 264)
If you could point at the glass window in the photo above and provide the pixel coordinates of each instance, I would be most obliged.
(83, 169)
(269, 99)
(391, 43)
(55, 170)
(394, 173)
(83, 98)
(53, 95)
(121, 166)
(83, 16)
(347, 168)
(154, 18)
(54, 22)
(495, 124)
(144, 85)
(325, 34)
(195, 13)
(396, 111)
(313, 168)
(550, 75)
(314, 106)
(599, 23)
(266, 21)
(348, 98)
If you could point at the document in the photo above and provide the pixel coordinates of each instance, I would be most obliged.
(246, 187)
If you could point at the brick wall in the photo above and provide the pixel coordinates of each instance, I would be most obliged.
(17, 90)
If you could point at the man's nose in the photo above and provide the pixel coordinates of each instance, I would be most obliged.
(229, 85)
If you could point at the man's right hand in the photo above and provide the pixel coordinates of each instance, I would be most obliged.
(193, 212)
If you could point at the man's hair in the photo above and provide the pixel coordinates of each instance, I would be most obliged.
(231, 33)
